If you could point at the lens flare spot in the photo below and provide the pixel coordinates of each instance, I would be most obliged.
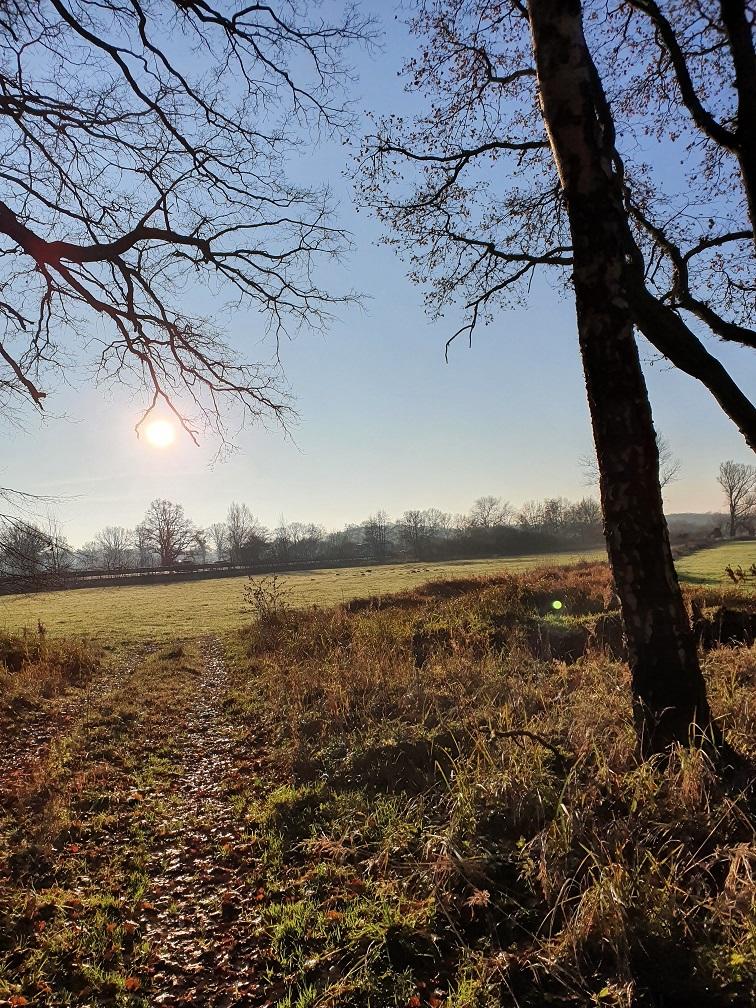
(556, 604)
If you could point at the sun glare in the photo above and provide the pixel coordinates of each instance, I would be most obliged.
(160, 433)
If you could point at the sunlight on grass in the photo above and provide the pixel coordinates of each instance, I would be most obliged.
(707, 566)
(190, 608)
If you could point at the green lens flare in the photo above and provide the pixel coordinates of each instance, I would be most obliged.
(556, 604)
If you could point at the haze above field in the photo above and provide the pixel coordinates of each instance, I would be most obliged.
(384, 422)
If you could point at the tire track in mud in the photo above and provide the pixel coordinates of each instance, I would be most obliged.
(201, 908)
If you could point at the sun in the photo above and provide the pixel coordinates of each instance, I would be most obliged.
(160, 433)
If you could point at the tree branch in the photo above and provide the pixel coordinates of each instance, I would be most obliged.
(702, 118)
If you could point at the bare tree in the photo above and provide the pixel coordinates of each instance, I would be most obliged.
(438, 522)
(684, 48)
(308, 539)
(489, 511)
(669, 465)
(554, 514)
(89, 556)
(413, 529)
(375, 534)
(23, 543)
(143, 150)
(58, 553)
(23, 549)
(114, 545)
(200, 545)
(738, 482)
(530, 515)
(281, 542)
(143, 543)
(218, 533)
(168, 532)
(30, 551)
(295, 541)
(515, 169)
(482, 248)
(585, 515)
(245, 533)
(256, 544)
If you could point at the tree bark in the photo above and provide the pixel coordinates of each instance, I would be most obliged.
(669, 694)
(741, 44)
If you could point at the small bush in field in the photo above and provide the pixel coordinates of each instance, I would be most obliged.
(33, 667)
(268, 598)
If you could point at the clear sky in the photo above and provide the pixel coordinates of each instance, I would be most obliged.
(384, 422)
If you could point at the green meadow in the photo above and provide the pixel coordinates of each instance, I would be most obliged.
(707, 566)
(190, 608)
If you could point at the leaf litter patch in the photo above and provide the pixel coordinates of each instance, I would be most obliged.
(125, 878)
(202, 903)
(26, 745)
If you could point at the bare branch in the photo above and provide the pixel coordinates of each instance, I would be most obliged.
(667, 35)
(133, 176)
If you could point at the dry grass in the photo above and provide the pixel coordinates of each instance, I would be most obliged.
(76, 836)
(462, 821)
(132, 615)
(33, 669)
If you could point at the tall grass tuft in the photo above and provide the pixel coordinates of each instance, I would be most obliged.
(33, 668)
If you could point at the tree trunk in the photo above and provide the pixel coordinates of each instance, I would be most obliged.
(669, 695)
(740, 39)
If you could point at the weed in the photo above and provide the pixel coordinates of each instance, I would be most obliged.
(32, 668)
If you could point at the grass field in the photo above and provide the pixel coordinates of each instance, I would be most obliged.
(434, 803)
(190, 608)
(707, 566)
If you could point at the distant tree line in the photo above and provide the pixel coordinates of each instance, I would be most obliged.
(167, 537)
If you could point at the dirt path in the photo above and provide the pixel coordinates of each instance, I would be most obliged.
(126, 875)
(203, 888)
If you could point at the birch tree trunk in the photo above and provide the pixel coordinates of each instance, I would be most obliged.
(669, 694)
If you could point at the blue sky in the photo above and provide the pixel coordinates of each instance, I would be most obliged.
(384, 422)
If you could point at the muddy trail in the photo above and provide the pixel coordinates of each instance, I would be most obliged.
(126, 876)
